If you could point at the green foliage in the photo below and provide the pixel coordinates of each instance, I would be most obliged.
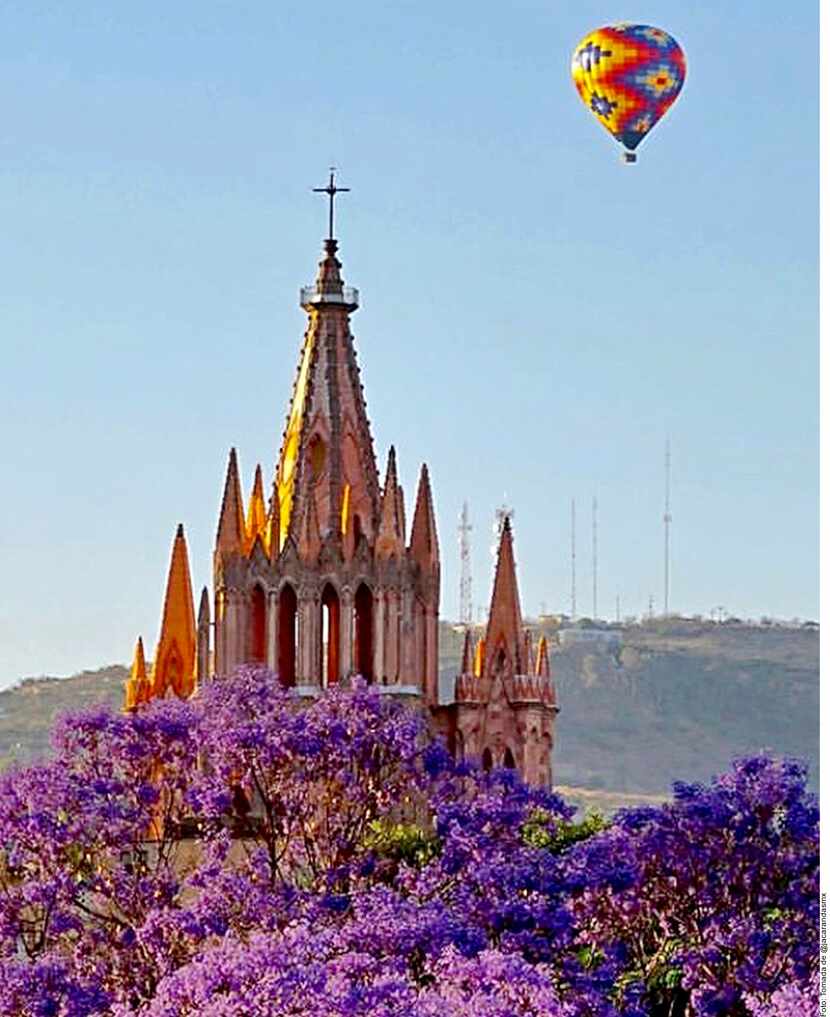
(539, 833)
(402, 842)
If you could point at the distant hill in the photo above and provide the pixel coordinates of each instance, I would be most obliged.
(676, 700)
(28, 710)
(672, 700)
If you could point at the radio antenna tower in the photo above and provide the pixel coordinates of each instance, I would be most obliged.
(594, 550)
(465, 593)
(573, 559)
(666, 524)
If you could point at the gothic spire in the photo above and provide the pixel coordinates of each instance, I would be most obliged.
(423, 543)
(255, 524)
(542, 661)
(204, 608)
(272, 528)
(327, 442)
(527, 653)
(391, 534)
(174, 665)
(137, 688)
(478, 660)
(231, 530)
(504, 625)
(467, 653)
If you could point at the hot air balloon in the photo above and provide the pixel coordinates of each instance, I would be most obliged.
(628, 76)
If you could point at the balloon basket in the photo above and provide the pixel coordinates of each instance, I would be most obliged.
(629, 157)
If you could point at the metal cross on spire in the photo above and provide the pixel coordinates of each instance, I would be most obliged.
(331, 191)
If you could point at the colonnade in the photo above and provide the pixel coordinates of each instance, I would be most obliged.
(315, 637)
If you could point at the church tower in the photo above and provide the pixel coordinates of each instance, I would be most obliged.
(321, 584)
(505, 701)
(316, 577)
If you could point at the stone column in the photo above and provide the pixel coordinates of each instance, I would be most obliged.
(307, 639)
(315, 648)
(393, 624)
(242, 622)
(419, 645)
(229, 630)
(218, 633)
(203, 652)
(346, 631)
(271, 632)
(406, 652)
(379, 626)
(431, 655)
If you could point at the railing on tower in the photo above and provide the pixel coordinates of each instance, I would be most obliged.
(312, 295)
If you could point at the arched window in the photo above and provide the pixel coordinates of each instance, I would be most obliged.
(258, 625)
(357, 529)
(487, 760)
(287, 653)
(317, 457)
(363, 651)
(509, 761)
(330, 635)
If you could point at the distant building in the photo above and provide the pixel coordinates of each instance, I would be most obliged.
(610, 638)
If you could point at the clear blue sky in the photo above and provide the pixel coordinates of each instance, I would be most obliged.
(536, 317)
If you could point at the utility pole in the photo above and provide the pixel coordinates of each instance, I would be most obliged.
(594, 550)
(465, 592)
(573, 559)
(666, 524)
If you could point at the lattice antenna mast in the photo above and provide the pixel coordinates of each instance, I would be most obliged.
(465, 591)
(666, 525)
(573, 559)
(594, 550)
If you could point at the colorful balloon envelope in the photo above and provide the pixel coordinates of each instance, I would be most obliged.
(628, 76)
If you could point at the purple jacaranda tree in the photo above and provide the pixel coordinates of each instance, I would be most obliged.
(312, 973)
(714, 896)
(91, 848)
(249, 853)
(796, 1000)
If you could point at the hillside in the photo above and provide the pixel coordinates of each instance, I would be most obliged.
(676, 700)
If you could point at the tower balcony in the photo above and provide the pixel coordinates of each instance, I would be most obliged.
(340, 296)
